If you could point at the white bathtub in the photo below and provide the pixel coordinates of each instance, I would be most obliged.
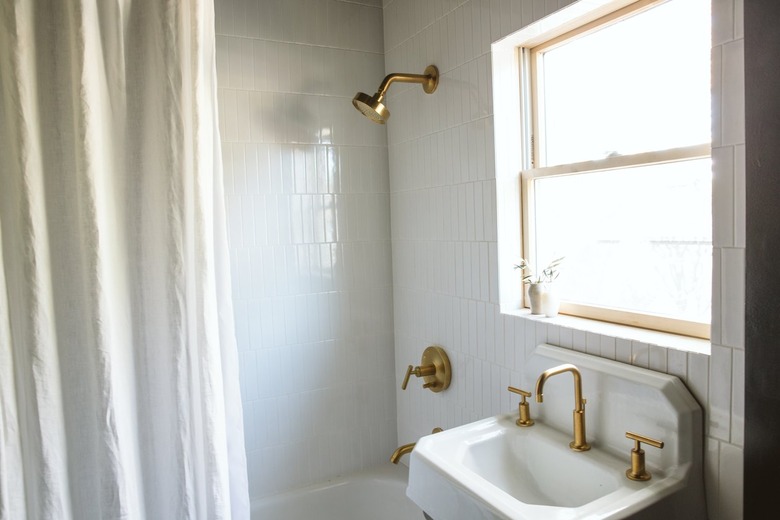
(377, 494)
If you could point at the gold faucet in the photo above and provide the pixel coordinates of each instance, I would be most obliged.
(407, 448)
(637, 470)
(401, 451)
(579, 443)
(525, 412)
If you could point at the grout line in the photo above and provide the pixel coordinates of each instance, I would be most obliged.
(305, 44)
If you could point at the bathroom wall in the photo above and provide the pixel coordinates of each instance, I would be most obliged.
(762, 158)
(442, 184)
(308, 208)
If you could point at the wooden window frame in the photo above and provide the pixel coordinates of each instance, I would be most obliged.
(531, 99)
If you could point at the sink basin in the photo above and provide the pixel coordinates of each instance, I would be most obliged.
(494, 469)
(530, 465)
(511, 472)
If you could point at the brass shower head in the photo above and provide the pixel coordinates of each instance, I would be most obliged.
(372, 106)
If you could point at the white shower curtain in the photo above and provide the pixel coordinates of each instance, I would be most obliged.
(118, 366)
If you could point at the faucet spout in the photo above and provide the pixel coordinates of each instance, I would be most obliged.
(579, 402)
(401, 451)
(579, 443)
(407, 448)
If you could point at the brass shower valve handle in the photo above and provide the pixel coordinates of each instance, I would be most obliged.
(434, 368)
(525, 412)
(428, 370)
(637, 470)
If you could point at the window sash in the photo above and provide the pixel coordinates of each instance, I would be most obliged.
(536, 61)
(533, 58)
(698, 151)
(614, 315)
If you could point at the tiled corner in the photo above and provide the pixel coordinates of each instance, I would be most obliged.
(723, 199)
(738, 398)
(307, 196)
(730, 483)
(732, 284)
(733, 93)
(719, 398)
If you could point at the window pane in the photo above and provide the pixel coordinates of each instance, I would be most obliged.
(636, 239)
(638, 85)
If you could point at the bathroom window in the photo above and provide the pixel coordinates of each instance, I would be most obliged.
(616, 175)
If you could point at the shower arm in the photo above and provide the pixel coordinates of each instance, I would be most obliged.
(373, 107)
(428, 81)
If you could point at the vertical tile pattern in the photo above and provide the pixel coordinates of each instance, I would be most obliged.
(725, 402)
(308, 212)
(442, 186)
(307, 193)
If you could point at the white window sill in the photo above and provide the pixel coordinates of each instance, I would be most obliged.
(651, 337)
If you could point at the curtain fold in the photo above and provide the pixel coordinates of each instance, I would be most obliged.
(118, 366)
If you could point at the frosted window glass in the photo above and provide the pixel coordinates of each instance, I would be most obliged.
(637, 239)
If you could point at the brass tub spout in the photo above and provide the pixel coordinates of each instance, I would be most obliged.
(401, 451)
(407, 448)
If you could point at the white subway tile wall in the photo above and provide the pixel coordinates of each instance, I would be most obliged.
(311, 208)
(309, 225)
(443, 222)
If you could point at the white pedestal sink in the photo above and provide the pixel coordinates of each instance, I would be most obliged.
(494, 469)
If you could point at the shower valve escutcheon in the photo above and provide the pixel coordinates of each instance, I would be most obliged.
(434, 368)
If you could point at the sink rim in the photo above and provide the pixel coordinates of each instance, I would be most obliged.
(438, 453)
